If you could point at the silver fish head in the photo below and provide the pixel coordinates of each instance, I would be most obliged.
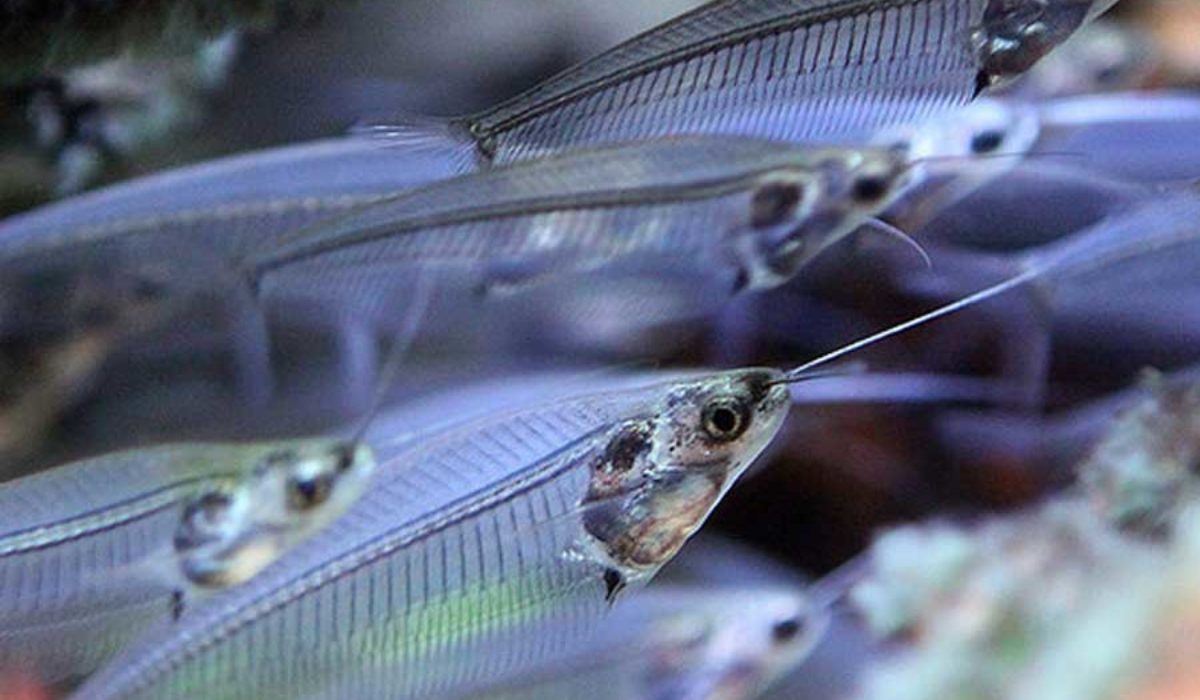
(654, 480)
(323, 479)
(293, 491)
(954, 154)
(796, 215)
(1015, 34)
(985, 127)
(759, 639)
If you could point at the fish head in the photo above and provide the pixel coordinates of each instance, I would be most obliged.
(227, 536)
(653, 480)
(984, 128)
(730, 642)
(757, 642)
(953, 155)
(796, 214)
(1015, 34)
(320, 480)
(209, 525)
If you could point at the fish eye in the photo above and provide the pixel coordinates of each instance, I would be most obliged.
(774, 203)
(304, 493)
(987, 141)
(786, 630)
(868, 189)
(725, 419)
(345, 459)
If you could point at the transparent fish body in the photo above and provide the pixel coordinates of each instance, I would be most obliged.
(1143, 137)
(1042, 200)
(1096, 293)
(152, 268)
(748, 211)
(1106, 56)
(95, 552)
(211, 214)
(944, 150)
(815, 70)
(467, 537)
(673, 641)
(235, 200)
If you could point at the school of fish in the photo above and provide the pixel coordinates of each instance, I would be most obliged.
(418, 411)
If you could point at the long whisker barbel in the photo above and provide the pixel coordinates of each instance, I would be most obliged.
(895, 232)
(802, 372)
(848, 369)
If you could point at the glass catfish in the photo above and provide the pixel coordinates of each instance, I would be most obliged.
(797, 70)
(477, 529)
(150, 267)
(544, 512)
(669, 642)
(95, 552)
(748, 211)
(225, 201)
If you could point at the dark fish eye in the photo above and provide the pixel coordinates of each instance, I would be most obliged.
(987, 141)
(869, 188)
(725, 419)
(345, 459)
(774, 203)
(305, 493)
(786, 630)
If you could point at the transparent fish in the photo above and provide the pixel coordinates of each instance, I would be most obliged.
(537, 514)
(1098, 294)
(957, 153)
(1138, 137)
(1105, 56)
(747, 211)
(468, 536)
(96, 552)
(152, 268)
(1022, 204)
(478, 528)
(67, 317)
(1055, 444)
(817, 70)
(1143, 137)
(227, 203)
(687, 642)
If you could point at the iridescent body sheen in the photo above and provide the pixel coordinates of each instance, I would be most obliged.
(95, 552)
(469, 535)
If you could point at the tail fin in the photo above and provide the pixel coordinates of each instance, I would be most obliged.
(443, 138)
